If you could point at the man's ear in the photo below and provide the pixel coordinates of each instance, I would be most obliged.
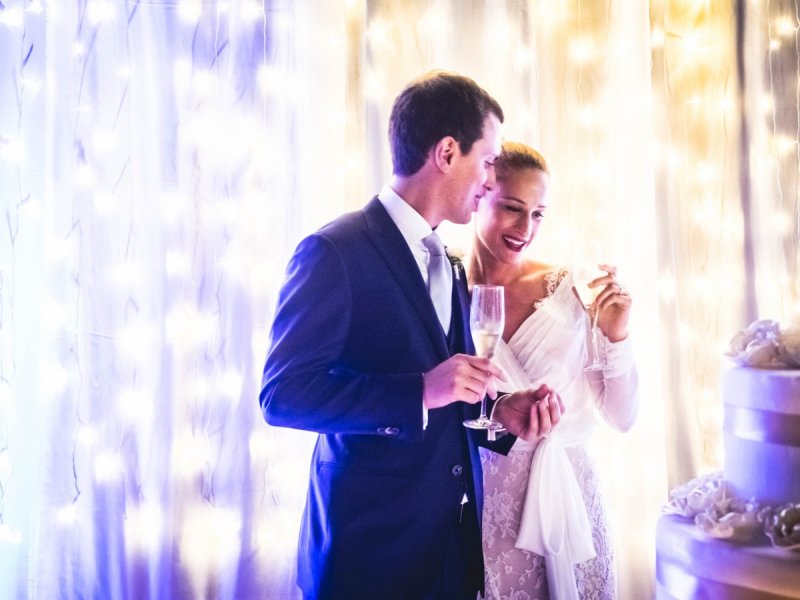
(444, 152)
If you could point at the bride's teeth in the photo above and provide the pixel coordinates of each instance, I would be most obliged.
(514, 242)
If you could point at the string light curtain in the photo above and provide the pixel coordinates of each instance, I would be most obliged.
(160, 159)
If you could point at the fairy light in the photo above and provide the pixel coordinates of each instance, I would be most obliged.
(190, 454)
(190, 11)
(135, 406)
(12, 149)
(210, 538)
(144, 527)
(98, 11)
(86, 436)
(107, 467)
(105, 141)
(127, 274)
(136, 340)
(67, 515)
(10, 534)
(177, 264)
(185, 325)
(105, 203)
(12, 16)
(582, 50)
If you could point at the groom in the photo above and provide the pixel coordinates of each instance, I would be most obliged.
(370, 347)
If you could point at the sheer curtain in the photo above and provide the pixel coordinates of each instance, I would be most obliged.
(160, 159)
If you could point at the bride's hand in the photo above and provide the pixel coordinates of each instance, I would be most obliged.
(614, 303)
(530, 414)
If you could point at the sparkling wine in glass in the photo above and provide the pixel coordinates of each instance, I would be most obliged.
(486, 322)
(582, 277)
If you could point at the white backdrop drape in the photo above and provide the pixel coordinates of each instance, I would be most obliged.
(160, 159)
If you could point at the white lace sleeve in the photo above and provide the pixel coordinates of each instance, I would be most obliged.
(618, 389)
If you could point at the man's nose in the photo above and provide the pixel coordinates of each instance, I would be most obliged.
(491, 181)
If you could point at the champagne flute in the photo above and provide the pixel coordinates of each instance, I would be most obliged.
(486, 322)
(582, 277)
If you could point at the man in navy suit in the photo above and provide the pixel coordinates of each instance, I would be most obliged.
(359, 354)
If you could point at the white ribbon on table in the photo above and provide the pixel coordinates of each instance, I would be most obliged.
(554, 523)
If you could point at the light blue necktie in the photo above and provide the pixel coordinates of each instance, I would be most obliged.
(440, 279)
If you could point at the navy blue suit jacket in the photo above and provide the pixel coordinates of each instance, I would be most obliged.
(353, 332)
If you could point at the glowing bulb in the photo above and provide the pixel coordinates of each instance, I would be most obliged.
(6, 397)
(210, 536)
(144, 525)
(12, 149)
(782, 222)
(174, 206)
(98, 11)
(203, 82)
(67, 515)
(12, 16)
(6, 468)
(55, 382)
(433, 21)
(104, 141)
(657, 37)
(31, 85)
(127, 274)
(177, 264)
(187, 325)
(377, 32)
(581, 49)
(55, 315)
(9, 534)
(135, 406)
(784, 144)
(36, 7)
(104, 203)
(84, 176)
(136, 340)
(190, 454)
(107, 467)
(259, 447)
(190, 10)
(229, 385)
(785, 26)
(86, 435)
(252, 11)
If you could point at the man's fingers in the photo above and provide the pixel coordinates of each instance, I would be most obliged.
(487, 366)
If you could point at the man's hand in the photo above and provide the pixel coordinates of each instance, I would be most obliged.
(460, 377)
(530, 414)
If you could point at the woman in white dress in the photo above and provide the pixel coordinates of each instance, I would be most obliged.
(544, 528)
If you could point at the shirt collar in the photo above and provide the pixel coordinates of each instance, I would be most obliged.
(410, 223)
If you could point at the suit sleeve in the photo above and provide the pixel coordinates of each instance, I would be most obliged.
(307, 382)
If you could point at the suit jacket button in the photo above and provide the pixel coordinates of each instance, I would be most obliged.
(457, 470)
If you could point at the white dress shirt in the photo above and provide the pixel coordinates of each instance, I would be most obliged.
(414, 229)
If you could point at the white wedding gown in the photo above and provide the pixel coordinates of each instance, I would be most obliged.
(544, 528)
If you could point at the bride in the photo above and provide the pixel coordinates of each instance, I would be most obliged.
(544, 528)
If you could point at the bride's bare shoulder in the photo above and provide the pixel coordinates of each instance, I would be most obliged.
(537, 271)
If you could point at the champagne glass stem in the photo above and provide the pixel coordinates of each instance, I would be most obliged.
(483, 408)
(595, 345)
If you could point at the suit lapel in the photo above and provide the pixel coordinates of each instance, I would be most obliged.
(394, 250)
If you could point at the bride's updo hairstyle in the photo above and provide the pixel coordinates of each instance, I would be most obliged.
(515, 157)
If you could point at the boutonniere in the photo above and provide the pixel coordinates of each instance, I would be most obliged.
(457, 262)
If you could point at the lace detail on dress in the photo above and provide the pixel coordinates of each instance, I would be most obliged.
(552, 279)
(514, 574)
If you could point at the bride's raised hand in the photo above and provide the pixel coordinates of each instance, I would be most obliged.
(614, 303)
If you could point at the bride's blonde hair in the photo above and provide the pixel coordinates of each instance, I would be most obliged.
(517, 156)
